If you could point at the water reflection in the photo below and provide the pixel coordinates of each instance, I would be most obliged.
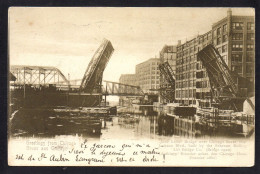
(145, 124)
(47, 123)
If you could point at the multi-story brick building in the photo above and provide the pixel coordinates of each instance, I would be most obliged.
(168, 54)
(147, 75)
(129, 79)
(234, 38)
(189, 80)
(202, 85)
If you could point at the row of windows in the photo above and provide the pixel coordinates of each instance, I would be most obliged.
(237, 25)
(218, 41)
(155, 63)
(235, 36)
(143, 71)
(186, 60)
(222, 49)
(155, 68)
(188, 51)
(186, 75)
(238, 68)
(239, 36)
(196, 95)
(187, 67)
(240, 26)
(239, 47)
(155, 81)
(224, 38)
(218, 31)
(148, 77)
(153, 72)
(145, 82)
(201, 74)
(236, 58)
(154, 77)
(185, 84)
(146, 72)
(186, 93)
(198, 40)
(204, 38)
(202, 84)
(184, 53)
(250, 47)
(155, 86)
(146, 68)
(203, 95)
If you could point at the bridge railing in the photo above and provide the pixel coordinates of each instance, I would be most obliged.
(119, 89)
(37, 75)
(108, 88)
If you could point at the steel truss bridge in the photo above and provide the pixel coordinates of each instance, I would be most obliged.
(47, 86)
(44, 76)
(37, 75)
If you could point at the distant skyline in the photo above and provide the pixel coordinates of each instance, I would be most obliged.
(68, 37)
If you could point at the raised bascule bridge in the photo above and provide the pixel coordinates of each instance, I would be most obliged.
(229, 90)
(37, 86)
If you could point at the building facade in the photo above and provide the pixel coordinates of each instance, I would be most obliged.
(147, 75)
(168, 54)
(202, 94)
(128, 79)
(234, 38)
(191, 78)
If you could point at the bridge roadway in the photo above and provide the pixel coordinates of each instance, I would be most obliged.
(111, 88)
(48, 86)
(42, 76)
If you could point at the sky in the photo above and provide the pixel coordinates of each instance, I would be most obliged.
(68, 37)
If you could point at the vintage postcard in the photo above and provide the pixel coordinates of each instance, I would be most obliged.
(114, 86)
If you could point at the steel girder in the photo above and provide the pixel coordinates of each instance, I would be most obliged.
(37, 75)
(92, 78)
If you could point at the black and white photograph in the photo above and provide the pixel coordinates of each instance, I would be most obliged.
(131, 86)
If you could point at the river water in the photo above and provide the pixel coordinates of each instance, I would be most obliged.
(146, 124)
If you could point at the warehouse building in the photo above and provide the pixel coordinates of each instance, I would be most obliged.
(234, 38)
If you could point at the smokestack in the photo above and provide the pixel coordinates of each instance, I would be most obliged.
(179, 42)
(229, 12)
